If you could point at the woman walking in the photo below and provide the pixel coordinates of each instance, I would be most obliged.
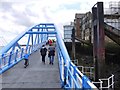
(51, 54)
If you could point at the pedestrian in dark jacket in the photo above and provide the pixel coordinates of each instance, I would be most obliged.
(43, 51)
(51, 54)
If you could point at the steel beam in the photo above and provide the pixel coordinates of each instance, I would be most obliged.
(42, 32)
(38, 27)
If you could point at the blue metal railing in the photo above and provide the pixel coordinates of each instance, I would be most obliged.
(70, 76)
(10, 59)
(13, 53)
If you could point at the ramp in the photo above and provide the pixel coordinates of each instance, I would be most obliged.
(36, 75)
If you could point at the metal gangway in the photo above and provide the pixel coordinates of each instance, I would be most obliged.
(13, 54)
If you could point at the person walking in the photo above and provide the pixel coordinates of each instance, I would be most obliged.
(51, 54)
(43, 53)
(26, 59)
(50, 42)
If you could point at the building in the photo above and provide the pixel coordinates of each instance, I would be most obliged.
(83, 22)
(112, 14)
(68, 32)
(77, 24)
(86, 26)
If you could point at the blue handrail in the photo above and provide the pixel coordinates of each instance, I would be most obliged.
(70, 76)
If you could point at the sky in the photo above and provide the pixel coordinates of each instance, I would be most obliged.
(17, 16)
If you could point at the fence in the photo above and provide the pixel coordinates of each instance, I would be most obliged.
(70, 75)
(7, 60)
(106, 83)
(89, 71)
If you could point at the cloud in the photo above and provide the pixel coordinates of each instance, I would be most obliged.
(16, 16)
(21, 14)
(22, 18)
(6, 6)
(30, 13)
(27, 14)
(46, 14)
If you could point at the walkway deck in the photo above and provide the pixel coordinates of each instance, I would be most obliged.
(36, 75)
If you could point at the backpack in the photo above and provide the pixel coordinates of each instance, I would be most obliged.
(43, 51)
(52, 53)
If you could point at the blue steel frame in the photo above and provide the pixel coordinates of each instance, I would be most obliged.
(13, 53)
(70, 76)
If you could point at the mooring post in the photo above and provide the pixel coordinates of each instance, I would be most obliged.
(94, 15)
(101, 40)
(98, 40)
(73, 44)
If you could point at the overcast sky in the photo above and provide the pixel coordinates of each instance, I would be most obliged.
(18, 15)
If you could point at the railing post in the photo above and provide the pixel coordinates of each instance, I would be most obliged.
(16, 55)
(22, 52)
(29, 49)
(2, 58)
(112, 81)
(75, 74)
(108, 82)
(9, 58)
(61, 66)
(70, 80)
(65, 75)
(84, 82)
(101, 82)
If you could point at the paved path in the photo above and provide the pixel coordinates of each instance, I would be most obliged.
(36, 75)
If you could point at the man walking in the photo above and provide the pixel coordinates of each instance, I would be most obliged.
(43, 53)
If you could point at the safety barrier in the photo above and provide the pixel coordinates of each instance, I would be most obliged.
(88, 71)
(70, 76)
(7, 60)
(106, 83)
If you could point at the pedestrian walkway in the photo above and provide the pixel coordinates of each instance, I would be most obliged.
(36, 75)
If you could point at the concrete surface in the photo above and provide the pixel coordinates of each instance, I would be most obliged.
(36, 75)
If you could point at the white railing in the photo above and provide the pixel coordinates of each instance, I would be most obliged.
(87, 70)
(106, 83)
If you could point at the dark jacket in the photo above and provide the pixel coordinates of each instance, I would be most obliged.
(51, 53)
(43, 51)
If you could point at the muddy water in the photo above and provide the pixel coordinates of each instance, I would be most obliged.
(112, 59)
